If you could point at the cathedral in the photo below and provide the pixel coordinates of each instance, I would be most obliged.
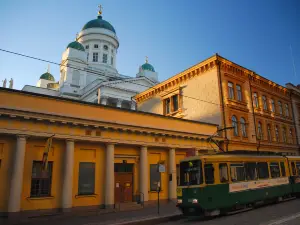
(88, 70)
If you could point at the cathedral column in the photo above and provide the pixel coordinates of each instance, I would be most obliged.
(68, 175)
(144, 175)
(172, 172)
(16, 182)
(109, 176)
(119, 103)
(103, 100)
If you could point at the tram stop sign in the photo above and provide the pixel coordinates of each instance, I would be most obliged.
(161, 168)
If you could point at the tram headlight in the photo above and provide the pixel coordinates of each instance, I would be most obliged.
(195, 201)
(179, 201)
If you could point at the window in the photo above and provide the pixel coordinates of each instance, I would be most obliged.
(87, 47)
(175, 102)
(264, 98)
(251, 173)
(255, 100)
(209, 173)
(277, 133)
(96, 46)
(167, 105)
(86, 180)
(269, 133)
(41, 180)
(284, 135)
(104, 59)
(263, 170)
(287, 114)
(105, 47)
(237, 172)
(291, 136)
(294, 170)
(112, 60)
(280, 107)
(239, 92)
(154, 177)
(235, 126)
(223, 170)
(272, 105)
(230, 90)
(259, 131)
(282, 168)
(95, 56)
(123, 167)
(274, 169)
(243, 127)
(191, 173)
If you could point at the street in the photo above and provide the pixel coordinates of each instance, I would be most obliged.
(287, 213)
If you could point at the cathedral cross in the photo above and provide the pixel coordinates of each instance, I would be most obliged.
(100, 9)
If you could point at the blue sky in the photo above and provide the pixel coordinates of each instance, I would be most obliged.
(173, 34)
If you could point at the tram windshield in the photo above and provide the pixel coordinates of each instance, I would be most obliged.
(191, 173)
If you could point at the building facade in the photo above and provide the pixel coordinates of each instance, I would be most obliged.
(88, 70)
(100, 155)
(255, 112)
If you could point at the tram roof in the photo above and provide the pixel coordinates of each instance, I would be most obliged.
(237, 156)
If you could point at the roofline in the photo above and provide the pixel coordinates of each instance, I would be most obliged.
(104, 106)
(216, 56)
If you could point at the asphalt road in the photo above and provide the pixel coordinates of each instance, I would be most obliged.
(285, 213)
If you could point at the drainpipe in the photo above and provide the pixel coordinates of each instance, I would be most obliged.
(296, 133)
(222, 98)
(256, 139)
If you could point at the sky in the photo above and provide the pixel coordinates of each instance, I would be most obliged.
(263, 36)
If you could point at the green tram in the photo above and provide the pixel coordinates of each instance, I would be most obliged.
(211, 185)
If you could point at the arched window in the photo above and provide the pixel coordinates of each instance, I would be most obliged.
(272, 105)
(76, 77)
(243, 127)
(269, 133)
(277, 133)
(259, 131)
(235, 126)
(255, 100)
(280, 107)
(284, 134)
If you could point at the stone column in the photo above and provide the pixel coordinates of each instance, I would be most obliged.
(109, 177)
(132, 106)
(144, 175)
(16, 182)
(172, 171)
(68, 176)
(119, 103)
(103, 100)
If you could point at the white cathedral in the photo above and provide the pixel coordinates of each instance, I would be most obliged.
(88, 70)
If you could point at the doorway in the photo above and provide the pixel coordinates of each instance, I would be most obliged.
(123, 182)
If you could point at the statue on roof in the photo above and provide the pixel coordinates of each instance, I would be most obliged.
(4, 83)
(11, 83)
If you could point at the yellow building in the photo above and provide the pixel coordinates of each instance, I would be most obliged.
(100, 155)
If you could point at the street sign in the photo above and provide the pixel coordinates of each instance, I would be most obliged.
(161, 168)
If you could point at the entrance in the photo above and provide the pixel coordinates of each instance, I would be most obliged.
(123, 182)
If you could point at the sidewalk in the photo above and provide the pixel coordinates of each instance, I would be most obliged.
(148, 215)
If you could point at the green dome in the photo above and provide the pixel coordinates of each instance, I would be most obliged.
(76, 45)
(148, 66)
(99, 23)
(47, 76)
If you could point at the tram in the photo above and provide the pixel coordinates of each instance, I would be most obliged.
(211, 185)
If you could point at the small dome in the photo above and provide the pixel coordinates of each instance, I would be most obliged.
(99, 23)
(148, 66)
(47, 76)
(76, 45)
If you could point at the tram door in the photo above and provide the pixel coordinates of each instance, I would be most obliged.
(123, 182)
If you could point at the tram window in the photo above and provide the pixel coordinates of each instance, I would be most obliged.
(293, 165)
(237, 171)
(209, 173)
(263, 170)
(282, 167)
(191, 173)
(223, 171)
(251, 173)
(274, 169)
